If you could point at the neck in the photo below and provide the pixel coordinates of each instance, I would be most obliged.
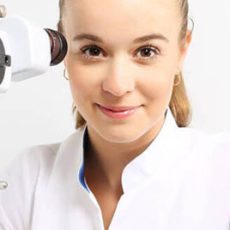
(107, 160)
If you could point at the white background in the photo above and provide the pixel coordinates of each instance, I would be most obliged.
(38, 111)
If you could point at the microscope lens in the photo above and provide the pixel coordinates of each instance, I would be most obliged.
(58, 46)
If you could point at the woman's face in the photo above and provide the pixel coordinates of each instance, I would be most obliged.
(113, 67)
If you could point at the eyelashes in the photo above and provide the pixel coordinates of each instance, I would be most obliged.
(146, 52)
(149, 49)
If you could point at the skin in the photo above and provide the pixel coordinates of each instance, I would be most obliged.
(121, 74)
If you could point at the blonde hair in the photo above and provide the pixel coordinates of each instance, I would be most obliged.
(179, 102)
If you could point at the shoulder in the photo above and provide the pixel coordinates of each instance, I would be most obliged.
(201, 139)
(21, 177)
(206, 151)
(31, 159)
(28, 171)
(209, 154)
(37, 158)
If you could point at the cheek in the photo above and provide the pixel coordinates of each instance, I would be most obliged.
(158, 79)
(81, 90)
(157, 85)
(83, 79)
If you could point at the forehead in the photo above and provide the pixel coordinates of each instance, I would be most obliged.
(121, 18)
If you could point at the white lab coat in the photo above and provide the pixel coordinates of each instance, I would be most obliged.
(180, 182)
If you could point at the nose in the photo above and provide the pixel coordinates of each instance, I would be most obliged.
(119, 79)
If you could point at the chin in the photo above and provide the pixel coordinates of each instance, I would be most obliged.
(121, 135)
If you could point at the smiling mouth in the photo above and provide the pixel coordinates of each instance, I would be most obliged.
(119, 112)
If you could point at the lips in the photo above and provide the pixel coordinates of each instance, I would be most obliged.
(118, 109)
(118, 112)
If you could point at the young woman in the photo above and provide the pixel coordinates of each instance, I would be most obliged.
(132, 163)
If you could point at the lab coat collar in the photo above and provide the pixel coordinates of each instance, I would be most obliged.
(153, 159)
(161, 166)
(69, 162)
(144, 166)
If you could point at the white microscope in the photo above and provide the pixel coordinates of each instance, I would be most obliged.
(26, 50)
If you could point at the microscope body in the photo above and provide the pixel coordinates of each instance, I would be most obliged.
(5, 62)
(26, 50)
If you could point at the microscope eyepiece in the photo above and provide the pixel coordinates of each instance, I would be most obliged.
(59, 46)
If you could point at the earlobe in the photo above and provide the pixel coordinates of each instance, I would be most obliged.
(65, 73)
(188, 38)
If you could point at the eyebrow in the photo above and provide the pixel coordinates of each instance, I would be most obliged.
(137, 40)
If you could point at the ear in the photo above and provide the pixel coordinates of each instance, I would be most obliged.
(65, 63)
(184, 48)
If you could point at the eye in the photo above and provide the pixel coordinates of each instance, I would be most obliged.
(90, 52)
(148, 52)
